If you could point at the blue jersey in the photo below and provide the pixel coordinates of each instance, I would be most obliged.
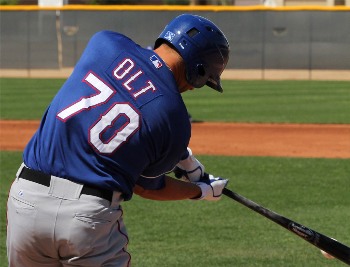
(118, 120)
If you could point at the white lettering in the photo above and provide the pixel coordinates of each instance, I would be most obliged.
(145, 89)
(132, 78)
(123, 72)
(121, 67)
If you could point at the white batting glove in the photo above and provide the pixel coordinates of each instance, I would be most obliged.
(211, 187)
(193, 170)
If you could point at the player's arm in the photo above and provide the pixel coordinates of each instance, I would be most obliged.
(173, 189)
(208, 188)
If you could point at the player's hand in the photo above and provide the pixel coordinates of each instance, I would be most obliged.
(211, 187)
(191, 168)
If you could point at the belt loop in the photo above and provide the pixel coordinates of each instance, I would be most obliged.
(116, 199)
(65, 189)
(20, 170)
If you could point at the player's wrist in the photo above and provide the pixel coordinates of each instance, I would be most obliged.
(202, 192)
(192, 168)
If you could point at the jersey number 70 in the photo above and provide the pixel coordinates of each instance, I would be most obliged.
(106, 120)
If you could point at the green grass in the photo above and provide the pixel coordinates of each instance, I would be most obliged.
(242, 101)
(273, 101)
(313, 192)
(26, 99)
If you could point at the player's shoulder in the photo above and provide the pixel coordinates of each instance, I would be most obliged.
(169, 109)
(111, 36)
(107, 33)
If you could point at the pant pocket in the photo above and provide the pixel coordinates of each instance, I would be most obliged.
(88, 230)
(22, 206)
(91, 221)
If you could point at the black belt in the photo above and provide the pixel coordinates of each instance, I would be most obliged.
(44, 179)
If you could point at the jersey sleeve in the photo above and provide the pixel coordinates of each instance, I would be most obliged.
(151, 184)
(170, 132)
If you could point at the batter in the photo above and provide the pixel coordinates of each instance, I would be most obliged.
(116, 127)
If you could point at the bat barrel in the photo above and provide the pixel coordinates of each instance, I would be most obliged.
(325, 243)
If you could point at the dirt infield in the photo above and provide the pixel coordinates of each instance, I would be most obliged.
(240, 139)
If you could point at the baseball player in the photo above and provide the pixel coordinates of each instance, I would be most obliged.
(116, 127)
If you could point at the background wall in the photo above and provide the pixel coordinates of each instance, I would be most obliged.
(259, 39)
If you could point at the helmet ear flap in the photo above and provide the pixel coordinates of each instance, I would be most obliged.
(200, 70)
(198, 76)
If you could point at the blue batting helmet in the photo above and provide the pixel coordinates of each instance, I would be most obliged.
(203, 47)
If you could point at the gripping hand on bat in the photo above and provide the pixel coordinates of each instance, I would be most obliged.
(211, 187)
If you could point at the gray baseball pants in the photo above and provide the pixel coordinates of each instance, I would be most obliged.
(57, 226)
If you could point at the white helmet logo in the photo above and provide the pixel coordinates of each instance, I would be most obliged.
(169, 36)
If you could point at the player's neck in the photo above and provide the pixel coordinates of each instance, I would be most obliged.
(176, 64)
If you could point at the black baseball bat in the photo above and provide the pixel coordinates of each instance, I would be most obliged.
(325, 243)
